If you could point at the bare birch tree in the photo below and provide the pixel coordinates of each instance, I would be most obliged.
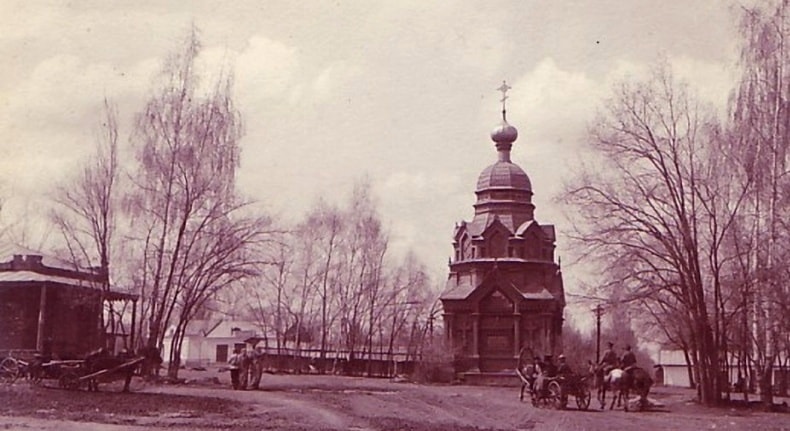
(761, 122)
(196, 236)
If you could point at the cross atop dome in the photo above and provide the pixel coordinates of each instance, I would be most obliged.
(504, 135)
(504, 88)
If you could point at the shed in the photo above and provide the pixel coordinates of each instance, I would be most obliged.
(51, 305)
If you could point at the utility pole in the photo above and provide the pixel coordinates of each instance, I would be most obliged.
(598, 310)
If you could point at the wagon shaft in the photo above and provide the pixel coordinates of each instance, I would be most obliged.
(100, 373)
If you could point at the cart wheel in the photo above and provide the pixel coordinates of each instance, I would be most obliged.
(69, 380)
(583, 397)
(555, 395)
(9, 370)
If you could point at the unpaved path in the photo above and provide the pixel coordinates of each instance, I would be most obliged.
(344, 403)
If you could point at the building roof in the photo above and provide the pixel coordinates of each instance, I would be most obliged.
(20, 264)
(35, 277)
(9, 250)
(462, 291)
(481, 222)
(542, 294)
(10, 276)
(457, 291)
(504, 175)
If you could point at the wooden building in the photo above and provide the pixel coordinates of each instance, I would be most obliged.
(504, 290)
(51, 306)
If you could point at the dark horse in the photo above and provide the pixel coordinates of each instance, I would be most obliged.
(100, 360)
(638, 381)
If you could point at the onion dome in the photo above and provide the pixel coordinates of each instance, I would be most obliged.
(504, 133)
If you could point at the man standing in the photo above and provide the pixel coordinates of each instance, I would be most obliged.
(256, 367)
(244, 369)
(234, 363)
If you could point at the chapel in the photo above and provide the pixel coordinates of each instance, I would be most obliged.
(504, 290)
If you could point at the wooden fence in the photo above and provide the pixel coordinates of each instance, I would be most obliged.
(375, 364)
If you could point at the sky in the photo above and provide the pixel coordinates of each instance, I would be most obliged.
(402, 93)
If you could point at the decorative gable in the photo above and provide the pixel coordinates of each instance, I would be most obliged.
(495, 240)
(496, 302)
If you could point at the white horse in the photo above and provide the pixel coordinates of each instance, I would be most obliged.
(615, 381)
(611, 380)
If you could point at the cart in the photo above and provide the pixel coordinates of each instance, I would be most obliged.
(575, 386)
(74, 378)
(36, 369)
(557, 390)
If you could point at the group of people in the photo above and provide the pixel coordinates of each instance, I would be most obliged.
(611, 360)
(540, 371)
(246, 368)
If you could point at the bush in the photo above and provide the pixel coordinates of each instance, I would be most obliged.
(436, 364)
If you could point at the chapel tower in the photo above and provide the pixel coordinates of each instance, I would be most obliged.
(504, 290)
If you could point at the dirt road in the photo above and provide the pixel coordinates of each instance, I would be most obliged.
(344, 403)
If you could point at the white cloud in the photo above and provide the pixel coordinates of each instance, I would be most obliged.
(553, 103)
(420, 208)
(335, 77)
(266, 69)
(48, 123)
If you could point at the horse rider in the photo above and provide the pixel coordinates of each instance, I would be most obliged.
(609, 360)
(628, 360)
(547, 370)
(563, 369)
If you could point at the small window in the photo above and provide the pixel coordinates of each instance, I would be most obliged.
(222, 353)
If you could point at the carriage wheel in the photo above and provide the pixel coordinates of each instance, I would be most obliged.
(583, 397)
(69, 380)
(555, 397)
(9, 370)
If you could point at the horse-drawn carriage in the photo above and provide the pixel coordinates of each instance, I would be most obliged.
(34, 368)
(621, 383)
(72, 374)
(557, 389)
